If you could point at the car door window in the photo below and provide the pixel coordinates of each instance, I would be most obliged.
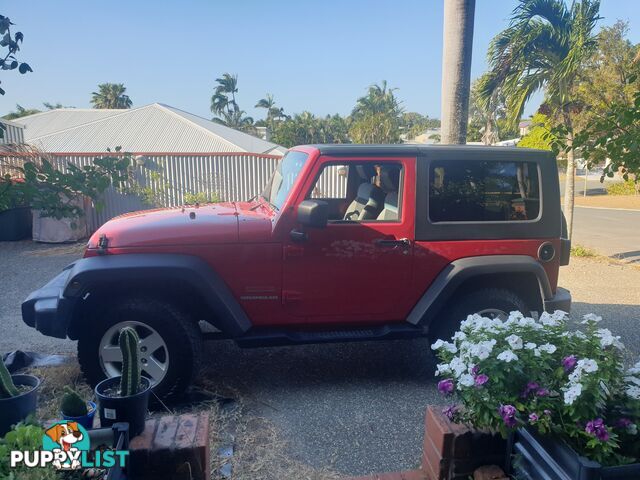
(360, 192)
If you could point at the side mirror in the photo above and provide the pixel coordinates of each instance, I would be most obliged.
(313, 213)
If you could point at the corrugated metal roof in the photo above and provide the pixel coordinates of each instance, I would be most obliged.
(151, 128)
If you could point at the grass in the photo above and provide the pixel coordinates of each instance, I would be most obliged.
(580, 251)
(259, 450)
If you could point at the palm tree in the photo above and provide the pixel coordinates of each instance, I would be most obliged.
(19, 112)
(379, 99)
(110, 95)
(273, 112)
(456, 69)
(544, 47)
(236, 119)
(224, 95)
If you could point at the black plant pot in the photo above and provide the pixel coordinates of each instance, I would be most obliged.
(547, 458)
(15, 224)
(16, 409)
(132, 410)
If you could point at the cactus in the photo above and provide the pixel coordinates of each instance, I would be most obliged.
(7, 388)
(130, 380)
(72, 404)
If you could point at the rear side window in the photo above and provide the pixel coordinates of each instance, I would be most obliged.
(483, 191)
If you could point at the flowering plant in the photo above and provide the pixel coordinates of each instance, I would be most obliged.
(541, 374)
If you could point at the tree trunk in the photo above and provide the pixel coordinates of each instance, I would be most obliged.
(570, 182)
(456, 69)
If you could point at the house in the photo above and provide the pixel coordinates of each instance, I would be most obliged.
(11, 133)
(176, 153)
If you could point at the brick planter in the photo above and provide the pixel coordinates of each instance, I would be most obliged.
(172, 447)
(451, 451)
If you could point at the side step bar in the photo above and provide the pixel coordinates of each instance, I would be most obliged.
(270, 337)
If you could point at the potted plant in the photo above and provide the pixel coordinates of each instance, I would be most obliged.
(73, 407)
(125, 398)
(15, 214)
(18, 398)
(563, 392)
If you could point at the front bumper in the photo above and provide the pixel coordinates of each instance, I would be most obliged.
(560, 301)
(47, 309)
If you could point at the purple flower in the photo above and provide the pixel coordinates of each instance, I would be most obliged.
(446, 386)
(532, 387)
(569, 363)
(547, 413)
(598, 429)
(623, 423)
(474, 370)
(533, 418)
(450, 412)
(542, 392)
(508, 414)
(481, 379)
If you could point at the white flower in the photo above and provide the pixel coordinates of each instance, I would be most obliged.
(632, 379)
(632, 429)
(440, 344)
(443, 369)
(575, 376)
(459, 336)
(457, 366)
(580, 335)
(515, 342)
(547, 347)
(607, 338)
(552, 319)
(530, 345)
(507, 356)
(635, 370)
(587, 365)
(481, 350)
(466, 380)
(572, 393)
(591, 318)
(634, 392)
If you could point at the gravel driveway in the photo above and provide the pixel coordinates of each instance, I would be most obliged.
(356, 408)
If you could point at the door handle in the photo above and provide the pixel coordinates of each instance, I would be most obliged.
(383, 242)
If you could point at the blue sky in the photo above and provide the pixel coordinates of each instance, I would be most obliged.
(317, 56)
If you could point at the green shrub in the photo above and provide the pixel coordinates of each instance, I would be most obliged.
(580, 251)
(200, 197)
(24, 436)
(623, 188)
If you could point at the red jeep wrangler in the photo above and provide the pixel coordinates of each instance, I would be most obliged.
(347, 242)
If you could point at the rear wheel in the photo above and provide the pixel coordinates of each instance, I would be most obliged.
(169, 350)
(488, 302)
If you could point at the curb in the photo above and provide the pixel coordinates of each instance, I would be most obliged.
(609, 208)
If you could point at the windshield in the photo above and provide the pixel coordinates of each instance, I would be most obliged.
(278, 188)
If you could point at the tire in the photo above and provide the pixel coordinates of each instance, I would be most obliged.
(157, 322)
(483, 300)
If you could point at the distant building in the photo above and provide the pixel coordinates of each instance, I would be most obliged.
(151, 128)
(12, 132)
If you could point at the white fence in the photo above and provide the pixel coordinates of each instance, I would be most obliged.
(230, 176)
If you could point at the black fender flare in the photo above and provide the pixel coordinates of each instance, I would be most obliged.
(93, 272)
(461, 270)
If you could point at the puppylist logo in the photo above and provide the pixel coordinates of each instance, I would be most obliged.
(66, 446)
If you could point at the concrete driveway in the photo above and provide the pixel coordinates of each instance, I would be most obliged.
(610, 232)
(356, 408)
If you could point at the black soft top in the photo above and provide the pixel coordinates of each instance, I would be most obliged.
(414, 149)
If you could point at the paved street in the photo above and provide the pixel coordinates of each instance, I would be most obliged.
(356, 408)
(614, 233)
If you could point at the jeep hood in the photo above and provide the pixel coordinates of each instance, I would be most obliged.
(217, 223)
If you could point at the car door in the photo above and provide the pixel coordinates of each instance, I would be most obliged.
(356, 271)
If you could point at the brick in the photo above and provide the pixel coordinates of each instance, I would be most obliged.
(172, 447)
(433, 464)
(165, 432)
(489, 472)
(413, 475)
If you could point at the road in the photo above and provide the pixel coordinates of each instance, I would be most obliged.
(354, 408)
(614, 233)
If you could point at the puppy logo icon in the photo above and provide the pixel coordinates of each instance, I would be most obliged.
(67, 440)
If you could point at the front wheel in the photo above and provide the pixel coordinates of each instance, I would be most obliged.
(488, 302)
(169, 350)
